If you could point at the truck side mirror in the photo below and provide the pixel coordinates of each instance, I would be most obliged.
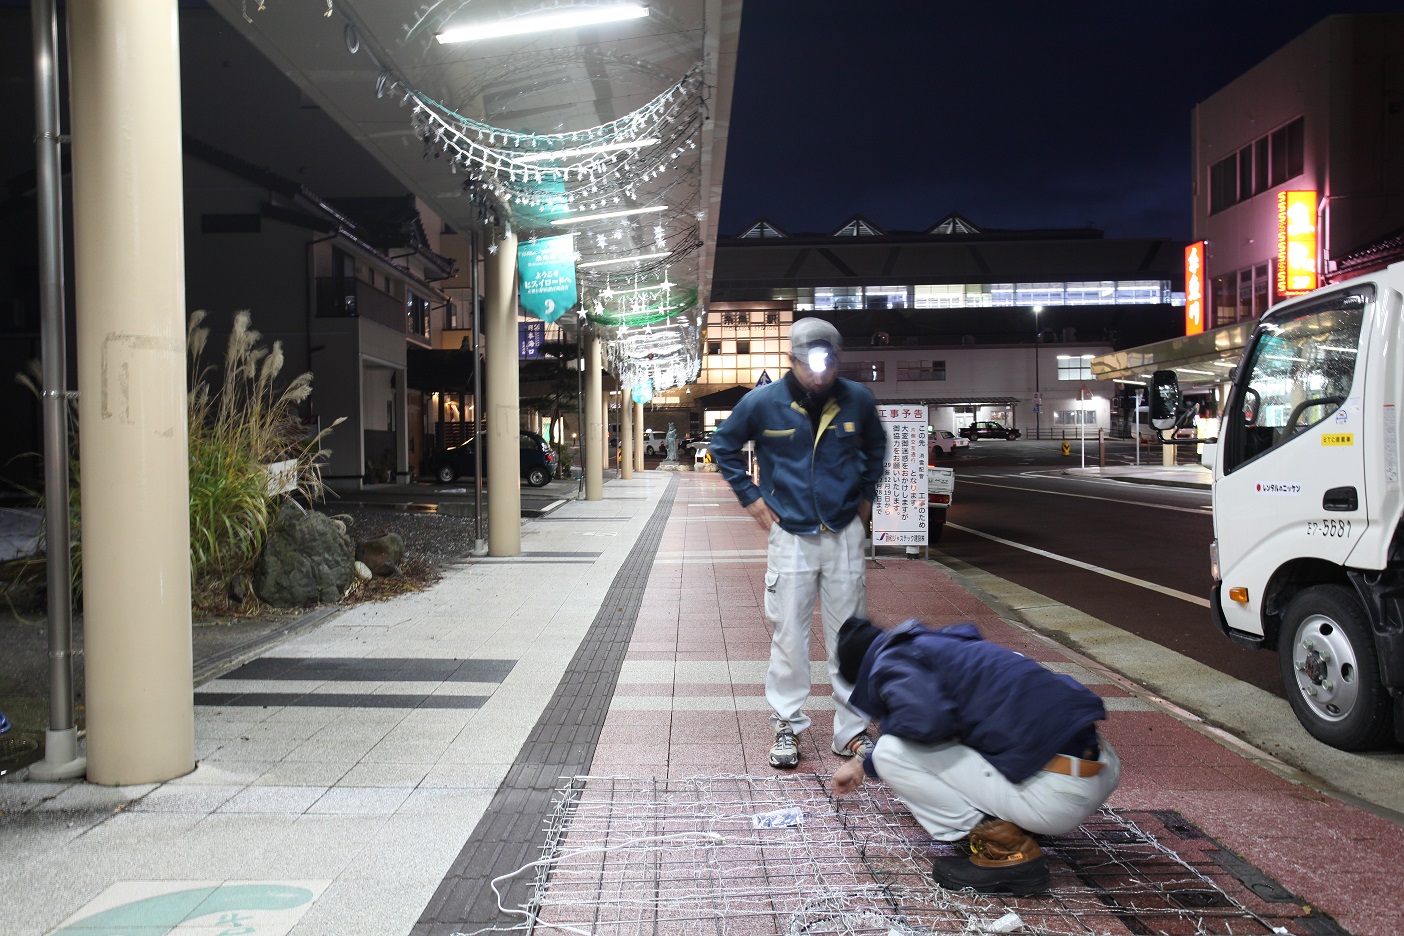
(1163, 396)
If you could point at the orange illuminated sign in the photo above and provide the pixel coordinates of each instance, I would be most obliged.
(1296, 243)
(1194, 288)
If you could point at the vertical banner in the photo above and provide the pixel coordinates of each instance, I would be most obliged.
(1194, 288)
(530, 336)
(546, 271)
(1296, 243)
(899, 514)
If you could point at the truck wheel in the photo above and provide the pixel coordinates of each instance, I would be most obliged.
(933, 533)
(1329, 670)
(445, 474)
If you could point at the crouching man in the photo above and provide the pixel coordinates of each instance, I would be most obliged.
(976, 740)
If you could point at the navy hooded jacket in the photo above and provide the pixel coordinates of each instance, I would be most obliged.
(930, 686)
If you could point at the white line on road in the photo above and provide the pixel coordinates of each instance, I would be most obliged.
(1113, 500)
(1130, 580)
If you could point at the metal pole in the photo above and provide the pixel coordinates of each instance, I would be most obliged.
(1138, 427)
(1038, 403)
(480, 546)
(61, 760)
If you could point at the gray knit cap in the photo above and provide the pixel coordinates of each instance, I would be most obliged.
(810, 332)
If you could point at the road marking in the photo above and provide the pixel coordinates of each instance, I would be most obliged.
(1112, 500)
(1130, 580)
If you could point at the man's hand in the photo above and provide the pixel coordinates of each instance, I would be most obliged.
(847, 778)
(865, 512)
(759, 509)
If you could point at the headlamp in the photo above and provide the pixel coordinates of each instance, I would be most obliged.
(819, 358)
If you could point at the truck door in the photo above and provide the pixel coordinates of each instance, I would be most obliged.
(1290, 479)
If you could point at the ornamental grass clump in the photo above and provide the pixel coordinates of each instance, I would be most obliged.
(247, 443)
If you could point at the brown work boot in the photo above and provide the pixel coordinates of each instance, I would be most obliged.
(1004, 859)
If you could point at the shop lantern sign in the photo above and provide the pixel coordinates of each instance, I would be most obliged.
(1194, 288)
(899, 513)
(1296, 243)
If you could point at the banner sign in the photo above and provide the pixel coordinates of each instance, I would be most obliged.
(899, 514)
(1194, 290)
(1296, 243)
(643, 393)
(546, 267)
(530, 336)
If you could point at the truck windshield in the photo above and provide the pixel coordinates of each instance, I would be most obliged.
(1298, 373)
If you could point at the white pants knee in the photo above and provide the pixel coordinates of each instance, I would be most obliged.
(949, 788)
(828, 566)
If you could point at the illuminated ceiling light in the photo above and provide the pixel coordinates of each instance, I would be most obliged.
(585, 150)
(541, 22)
(1205, 373)
(581, 219)
(637, 289)
(633, 259)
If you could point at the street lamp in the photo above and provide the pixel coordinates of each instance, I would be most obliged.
(1038, 403)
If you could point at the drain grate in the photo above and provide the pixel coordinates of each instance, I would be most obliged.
(633, 856)
(17, 750)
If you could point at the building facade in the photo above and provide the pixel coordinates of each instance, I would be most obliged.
(978, 324)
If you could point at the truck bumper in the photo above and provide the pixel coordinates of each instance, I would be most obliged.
(1216, 608)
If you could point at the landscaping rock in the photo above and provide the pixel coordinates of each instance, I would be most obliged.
(307, 560)
(383, 554)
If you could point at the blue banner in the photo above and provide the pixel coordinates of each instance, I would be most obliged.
(546, 270)
(530, 335)
(644, 392)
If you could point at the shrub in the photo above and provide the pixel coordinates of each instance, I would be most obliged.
(236, 432)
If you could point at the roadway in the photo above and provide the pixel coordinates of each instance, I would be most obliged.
(1133, 555)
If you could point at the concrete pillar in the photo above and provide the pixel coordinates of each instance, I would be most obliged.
(638, 437)
(1169, 455)
(591, 444)
(626, 435)
(502, 466)
(129, 261)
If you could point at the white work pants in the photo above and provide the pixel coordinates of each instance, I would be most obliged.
(950, 788)
(828, 566)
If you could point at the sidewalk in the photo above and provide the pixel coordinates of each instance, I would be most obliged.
(374, 775)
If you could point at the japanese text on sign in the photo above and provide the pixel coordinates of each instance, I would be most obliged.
(899, 513)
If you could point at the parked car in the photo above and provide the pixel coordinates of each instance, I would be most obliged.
(945, 442)
(538, 461)
(989, 430)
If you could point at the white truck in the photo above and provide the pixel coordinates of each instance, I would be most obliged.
(1308, 552)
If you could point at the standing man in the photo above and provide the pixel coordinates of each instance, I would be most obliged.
(820, 447)
(978, 741)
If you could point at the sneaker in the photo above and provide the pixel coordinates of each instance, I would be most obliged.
(859, 746)
(784, 755)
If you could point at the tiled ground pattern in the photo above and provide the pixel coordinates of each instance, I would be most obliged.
(561, 744)
(695, 855)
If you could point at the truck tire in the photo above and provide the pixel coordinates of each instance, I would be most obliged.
(445, 473)
(1329, 670)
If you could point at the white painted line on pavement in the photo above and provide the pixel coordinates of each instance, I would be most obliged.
(1112, 500)
(1130, 580)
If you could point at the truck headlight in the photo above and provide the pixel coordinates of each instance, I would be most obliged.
(1214, 559)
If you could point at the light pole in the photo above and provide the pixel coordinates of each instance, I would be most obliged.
(1038, 402)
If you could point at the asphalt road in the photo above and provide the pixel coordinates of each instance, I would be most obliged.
(1135, 556)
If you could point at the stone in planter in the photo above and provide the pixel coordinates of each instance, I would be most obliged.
(307, 560)
(382, 555)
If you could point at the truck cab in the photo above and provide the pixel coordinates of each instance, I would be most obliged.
(1307, 557)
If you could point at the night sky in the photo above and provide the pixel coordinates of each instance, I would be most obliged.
(1014, 114)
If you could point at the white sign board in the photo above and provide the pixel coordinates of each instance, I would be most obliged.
(899, 514)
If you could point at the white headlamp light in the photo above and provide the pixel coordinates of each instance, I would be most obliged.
(818, 359)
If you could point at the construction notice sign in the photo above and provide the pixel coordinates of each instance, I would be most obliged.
(899, 514)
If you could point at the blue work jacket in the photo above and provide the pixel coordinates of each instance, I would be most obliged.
(813, 481)
(931, 686)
